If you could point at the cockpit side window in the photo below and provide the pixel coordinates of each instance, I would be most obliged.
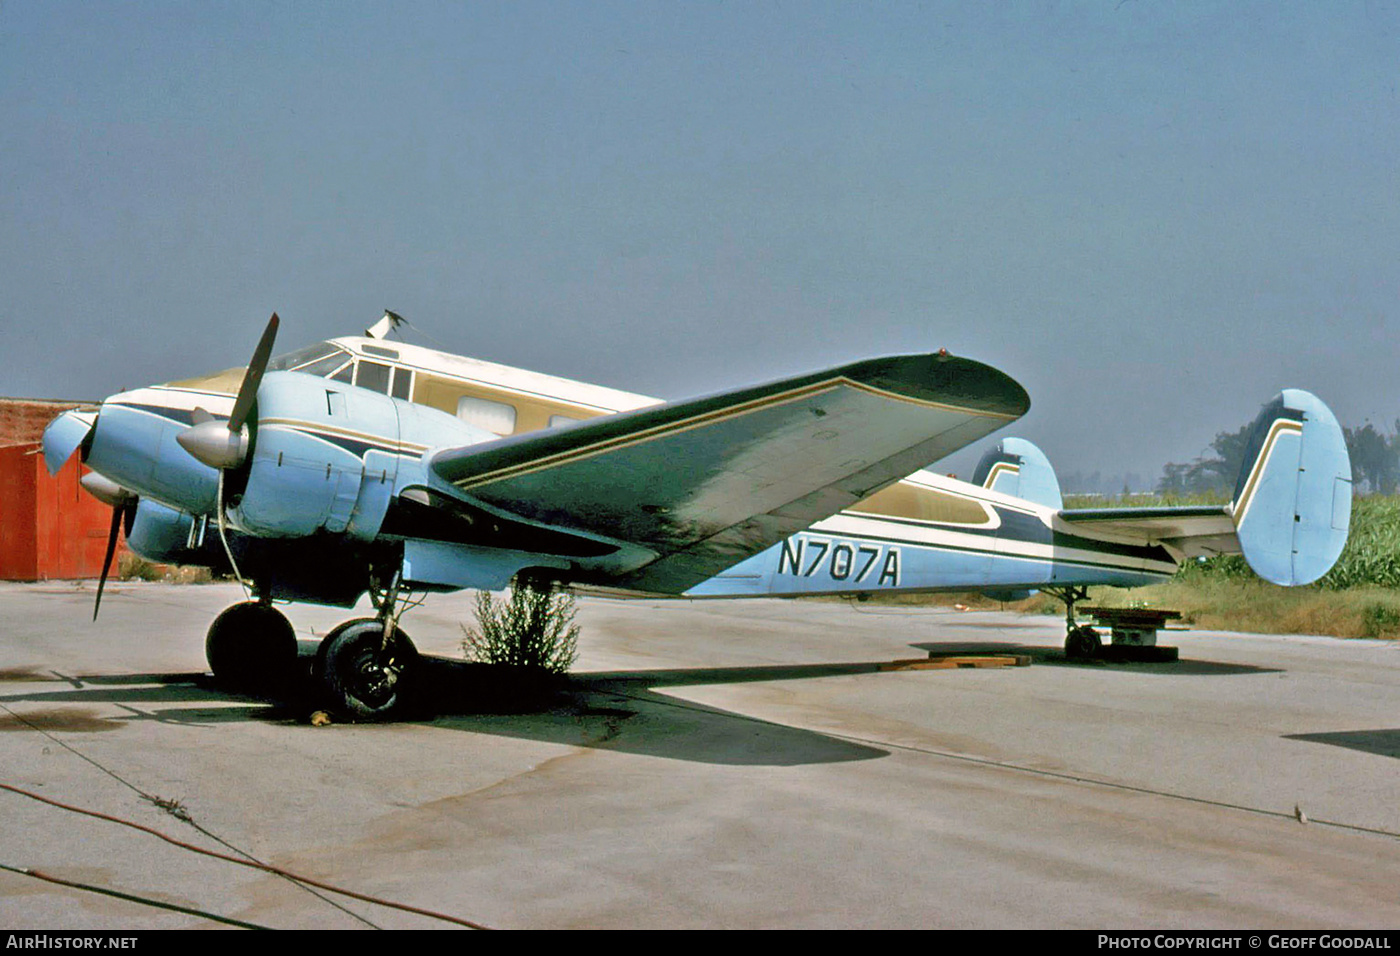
(374, 376)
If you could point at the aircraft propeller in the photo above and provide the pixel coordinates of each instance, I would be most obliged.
(224, 445)
(123, 505)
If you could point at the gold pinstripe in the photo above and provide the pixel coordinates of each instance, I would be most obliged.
(1256, 474)
(997, 470)
(319, 427)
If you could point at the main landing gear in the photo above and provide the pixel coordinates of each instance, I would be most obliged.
(251, 647)
(364, 667)
(1082, 642)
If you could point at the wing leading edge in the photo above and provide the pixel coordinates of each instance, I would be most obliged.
(705, 483)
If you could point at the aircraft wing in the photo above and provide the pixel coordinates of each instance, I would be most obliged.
(1194, 530)
(705, 483)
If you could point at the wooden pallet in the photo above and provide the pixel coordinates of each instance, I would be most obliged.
(939, 662)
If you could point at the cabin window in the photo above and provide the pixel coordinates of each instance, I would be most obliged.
(381, 352)
(495, 417)
(346, 374)
(403, 383)
(919, 503)
(373, 376)
(556, 420)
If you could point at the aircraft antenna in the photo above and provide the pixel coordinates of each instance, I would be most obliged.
(391, 322)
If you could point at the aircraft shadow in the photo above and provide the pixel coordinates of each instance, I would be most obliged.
(618, 711)
(1055, 656)
(624, 711)
(1385, 743)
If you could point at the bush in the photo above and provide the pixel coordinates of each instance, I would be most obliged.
(533, 628)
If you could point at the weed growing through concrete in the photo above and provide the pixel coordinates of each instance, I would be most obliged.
(532, 628)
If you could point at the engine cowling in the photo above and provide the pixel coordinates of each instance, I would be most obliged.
(324, 459)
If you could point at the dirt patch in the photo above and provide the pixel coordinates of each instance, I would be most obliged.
(24, 674)
(58, 719)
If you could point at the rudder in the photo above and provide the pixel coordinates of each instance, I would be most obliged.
(1018, 468)
(1292, 502)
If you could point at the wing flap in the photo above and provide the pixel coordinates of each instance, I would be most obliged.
(708, 482)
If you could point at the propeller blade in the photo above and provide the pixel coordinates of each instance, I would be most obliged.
(248, 391)
(107, 561)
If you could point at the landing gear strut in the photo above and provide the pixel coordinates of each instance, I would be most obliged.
(251, 647)
(367, 665)
(1082, 642)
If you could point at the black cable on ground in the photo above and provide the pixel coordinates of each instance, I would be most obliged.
(169, 808)
(129, 897)
(266, 868)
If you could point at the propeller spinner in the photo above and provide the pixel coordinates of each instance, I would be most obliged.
(224, 445)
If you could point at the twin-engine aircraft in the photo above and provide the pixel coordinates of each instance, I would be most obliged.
(362, 465)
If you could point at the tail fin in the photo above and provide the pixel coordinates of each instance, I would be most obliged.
(1016, 467)
(1292, 503)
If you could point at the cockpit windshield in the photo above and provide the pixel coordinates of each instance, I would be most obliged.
(323, 359)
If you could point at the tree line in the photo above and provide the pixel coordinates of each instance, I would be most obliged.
(1375, 463)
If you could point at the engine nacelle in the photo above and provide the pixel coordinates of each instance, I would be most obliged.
(133, 444)
(327, 457)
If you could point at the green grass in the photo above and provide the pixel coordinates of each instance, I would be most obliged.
(1258, 607)
(1218, 604)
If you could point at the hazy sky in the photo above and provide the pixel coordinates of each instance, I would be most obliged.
(1153, 215)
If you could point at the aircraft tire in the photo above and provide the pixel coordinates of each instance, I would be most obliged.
(1082, 643)
(364, 681)
(251, 647)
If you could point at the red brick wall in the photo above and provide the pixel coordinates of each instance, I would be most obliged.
(19, 555)
(49, 526)
(23, 420)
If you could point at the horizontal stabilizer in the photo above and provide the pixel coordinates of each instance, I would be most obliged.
(1193, 530)
(1292, 504)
